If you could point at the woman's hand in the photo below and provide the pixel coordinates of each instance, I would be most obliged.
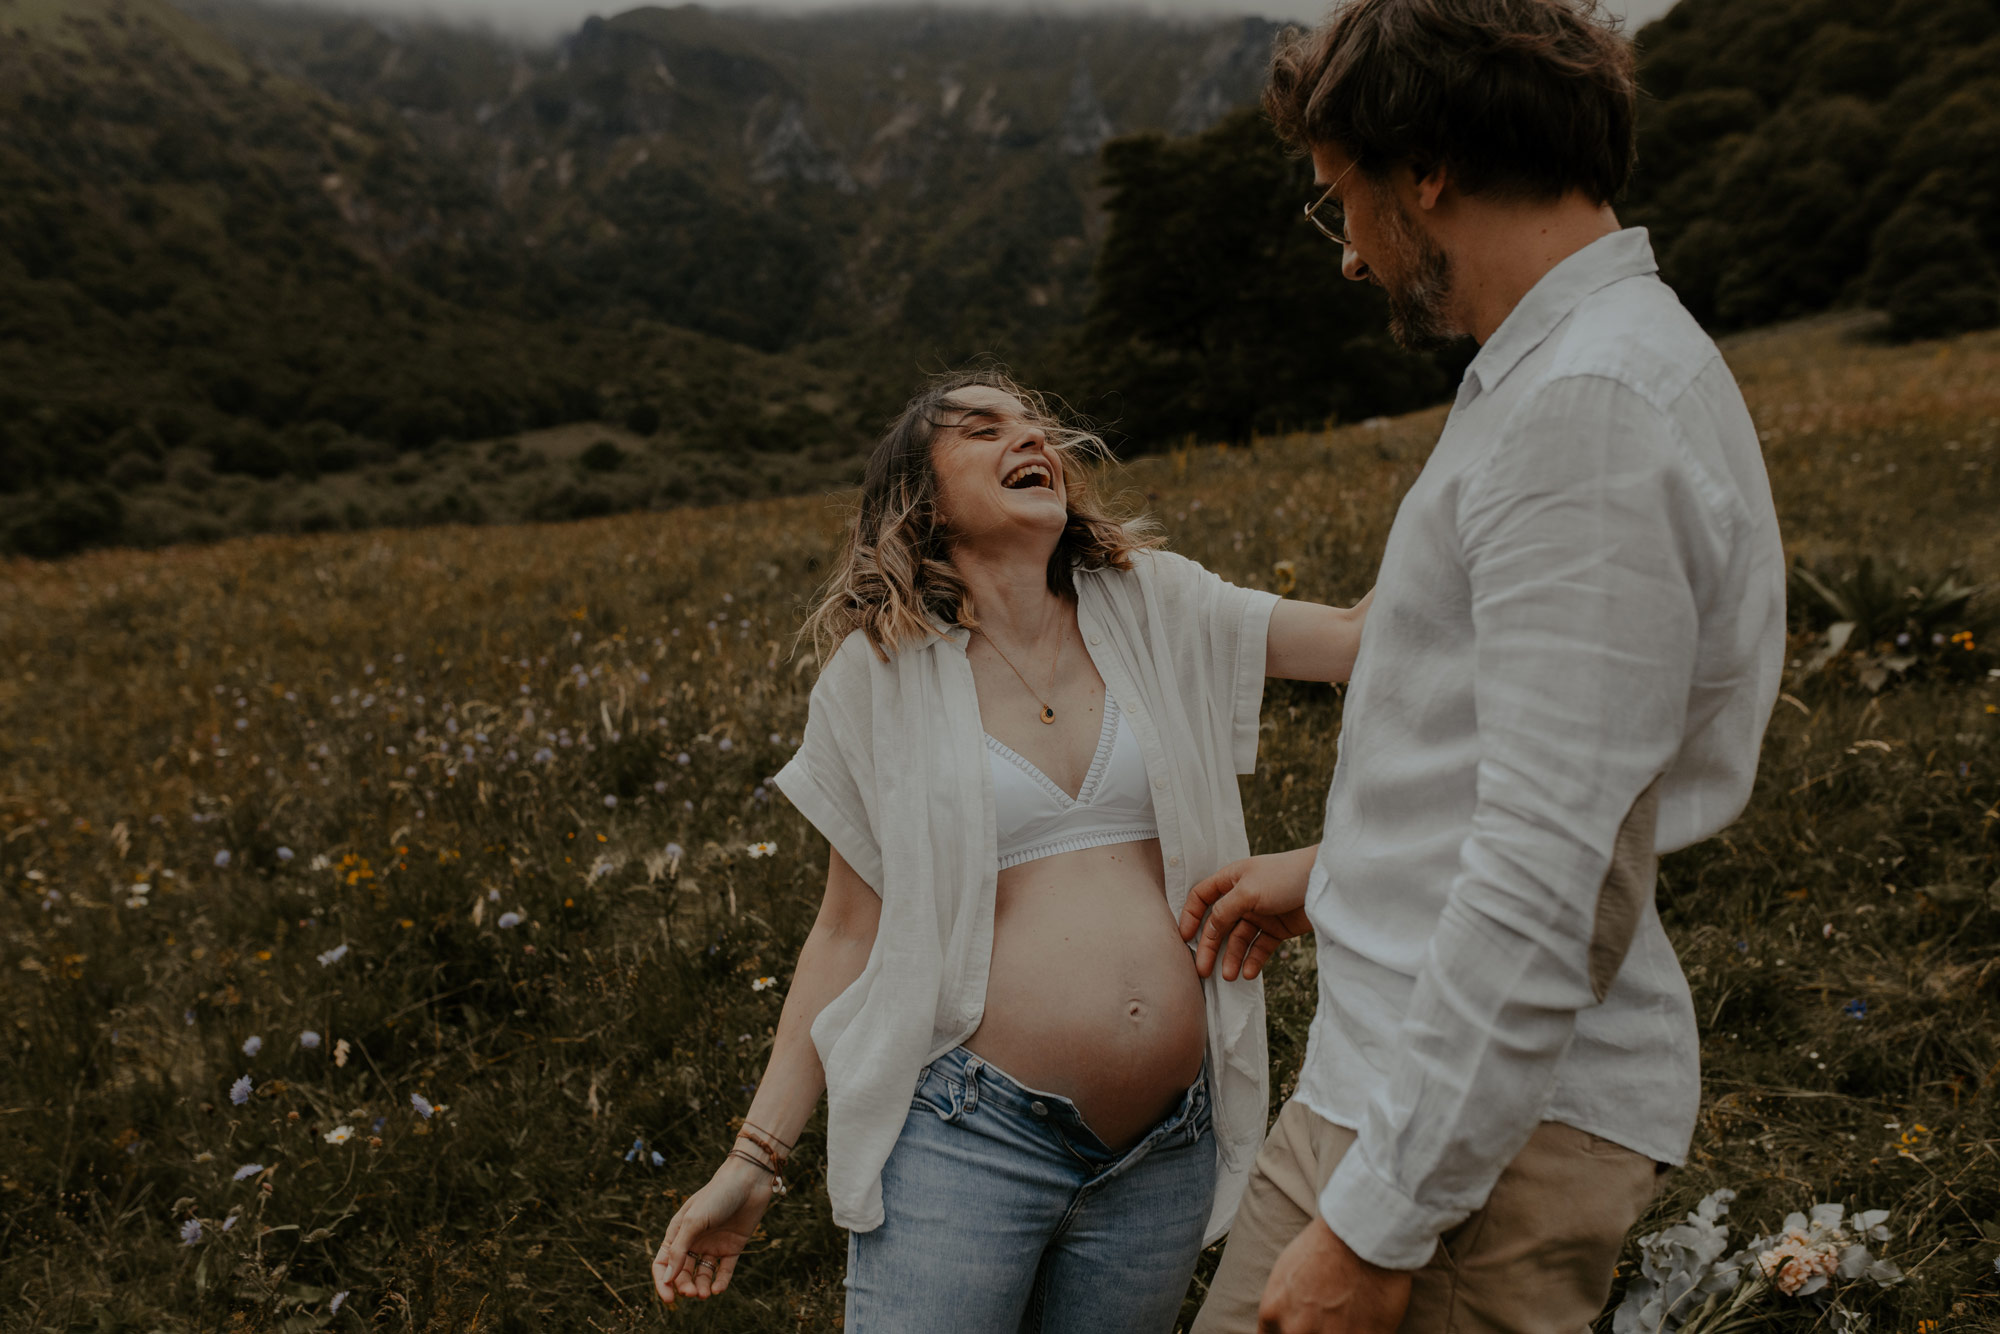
(1251, 905)
(710, 1231)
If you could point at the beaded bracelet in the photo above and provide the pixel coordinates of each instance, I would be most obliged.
(772, 1147)
(782, 1147)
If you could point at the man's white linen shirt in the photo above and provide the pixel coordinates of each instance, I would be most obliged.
(1582, 592)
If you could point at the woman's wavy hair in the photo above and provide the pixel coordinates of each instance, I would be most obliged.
(894, 580)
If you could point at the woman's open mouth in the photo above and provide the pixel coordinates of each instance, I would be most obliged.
(1028, 475)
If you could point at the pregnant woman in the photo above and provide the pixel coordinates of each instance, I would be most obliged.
(1023, 750)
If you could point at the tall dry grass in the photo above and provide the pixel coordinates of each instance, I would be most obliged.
(403, 741)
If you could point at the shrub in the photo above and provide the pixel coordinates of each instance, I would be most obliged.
(132, 469)
(573, 502)
(247, 450)
(604, 456)
(1932, 274)
(1877, 624)
(68, 520)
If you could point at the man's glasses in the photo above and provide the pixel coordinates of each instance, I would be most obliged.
(1327, 214)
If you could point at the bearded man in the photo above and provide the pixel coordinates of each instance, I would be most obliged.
(1575, 644)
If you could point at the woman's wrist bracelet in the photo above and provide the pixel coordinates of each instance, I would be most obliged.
(767, 1144)
(774, 1148)
(777, 1181)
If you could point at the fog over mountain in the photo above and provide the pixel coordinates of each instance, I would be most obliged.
(543, 19)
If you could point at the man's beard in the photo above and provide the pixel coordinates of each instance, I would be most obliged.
(1420, 285)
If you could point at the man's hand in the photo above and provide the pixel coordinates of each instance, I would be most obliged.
(1252, 905)
(1319, 1286)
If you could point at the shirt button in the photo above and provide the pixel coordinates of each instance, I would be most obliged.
(1174, 860)
(1038, 1107)
(1160, 783)
(1095, 640)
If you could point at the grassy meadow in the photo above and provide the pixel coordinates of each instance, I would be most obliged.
(441, 838)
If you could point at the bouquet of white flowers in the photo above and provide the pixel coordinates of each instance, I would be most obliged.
(1687, 1285)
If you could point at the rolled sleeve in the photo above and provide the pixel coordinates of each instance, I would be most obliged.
(1236, 625)
(829, 778)
(1247, 616)
(819, 798)
(1585, 541)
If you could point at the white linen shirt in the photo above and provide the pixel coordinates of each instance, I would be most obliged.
(1583, 591)
(893, 771)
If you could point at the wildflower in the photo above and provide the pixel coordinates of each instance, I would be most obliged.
(333, 956)
(340, 1050)
(683, 758)
(777, 740)
(660, 785)
(231, 1221)
(725, 745)
(610, 802)
(1855, 1009)
(543, 756)
(252, 1045)
(320, 862)
(675, 851)
(508, 921)
(492, 896)
(309, 1040)
(285, 854)
(763, 983)
(246, 1171)
(222, 858)
(191, 1232)
(376, 1127)
(422, 1104)
(339, 1134)
(334, 1305)
(239, 1092)
(762, 850)
(187, 1017)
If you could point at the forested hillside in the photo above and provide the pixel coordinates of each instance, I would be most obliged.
(279, 244)
(1797, 154)
(272, 268)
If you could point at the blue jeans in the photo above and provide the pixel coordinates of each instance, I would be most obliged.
(1005, 1214)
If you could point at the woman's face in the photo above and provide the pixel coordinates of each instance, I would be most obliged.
(998, 478)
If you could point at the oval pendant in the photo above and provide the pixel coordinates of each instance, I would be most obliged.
(1048, 714)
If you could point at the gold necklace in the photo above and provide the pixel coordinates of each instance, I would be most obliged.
(1048, 714)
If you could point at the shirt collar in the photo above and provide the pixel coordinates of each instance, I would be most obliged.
(1609, 259)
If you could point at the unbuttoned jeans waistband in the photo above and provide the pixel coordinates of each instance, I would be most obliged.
(975, 1080)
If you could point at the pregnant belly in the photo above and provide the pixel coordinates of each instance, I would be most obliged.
(1091, 994)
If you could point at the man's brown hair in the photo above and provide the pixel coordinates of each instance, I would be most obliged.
(1525, 99)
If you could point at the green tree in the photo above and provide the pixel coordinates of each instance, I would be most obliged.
(1219, 312)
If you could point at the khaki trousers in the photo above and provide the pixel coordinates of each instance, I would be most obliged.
(1537, 1259)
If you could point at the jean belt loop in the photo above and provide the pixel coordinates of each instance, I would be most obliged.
(972, 1069)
